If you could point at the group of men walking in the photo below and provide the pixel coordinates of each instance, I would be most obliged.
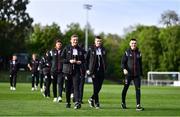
(70, 65)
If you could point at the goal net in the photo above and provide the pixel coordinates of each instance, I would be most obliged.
(164, 78)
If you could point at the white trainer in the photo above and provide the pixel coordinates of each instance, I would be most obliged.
(59, 99)
(42, 90)
(11, 88)
(32, 89)
(55, 100)
(72, 95)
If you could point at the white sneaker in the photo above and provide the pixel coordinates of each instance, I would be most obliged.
(72, 95)
(11, 88)
(42, 90)
(55, 100)
(59, 99)
(32, 89)
(43, 87)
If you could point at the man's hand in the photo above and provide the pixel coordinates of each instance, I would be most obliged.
(88, 72)
(125, 71)
(52, 77)
(72, 61)
(66, 78)
(30, 69)
(78, 62)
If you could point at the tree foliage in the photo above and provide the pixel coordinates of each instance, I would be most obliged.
(170, 41)
(169, 18)
(15, 25)
(43, 38)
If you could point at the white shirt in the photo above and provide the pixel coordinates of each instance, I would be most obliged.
(98, 51)
(75, 52)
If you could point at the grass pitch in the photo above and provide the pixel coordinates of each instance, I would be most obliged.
(157, 101)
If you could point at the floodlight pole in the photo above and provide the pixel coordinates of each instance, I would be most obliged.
(87, 7)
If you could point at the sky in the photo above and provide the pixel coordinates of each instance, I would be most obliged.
(108, 16)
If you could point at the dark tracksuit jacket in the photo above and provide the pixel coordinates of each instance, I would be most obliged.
(91, 59)
(132, 62)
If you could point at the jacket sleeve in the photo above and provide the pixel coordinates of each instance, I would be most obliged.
(140, 63)
(83, 56)
(63, 55)
(105, 59)
(88, 58)
(124, 61)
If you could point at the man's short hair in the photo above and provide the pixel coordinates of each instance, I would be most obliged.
(58, 41)
(74, 35)
(14, 55)
(133, 39)
(98, 37)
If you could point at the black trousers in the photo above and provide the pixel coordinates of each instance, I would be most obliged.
(47, 84)
(81, 88)
(72, 80)
(97, 85)
(137, 83)
(41, 75)
(13, 77)
(58, 79)
(35, 76)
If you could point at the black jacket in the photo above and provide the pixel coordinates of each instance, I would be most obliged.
(41, 62)
(132, 62)
(56, 60)
(13, 67)
(91, 58)
(67, 55)
(46, 65)
(34, 65)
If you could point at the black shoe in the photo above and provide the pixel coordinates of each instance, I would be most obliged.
(123, 106)
(77, 105)
(91, 102)
(139, 108)
(97, 106)
(68, 105)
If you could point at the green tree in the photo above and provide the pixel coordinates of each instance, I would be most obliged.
(111, 43)
(74, 28)
(43, 38)
(170, 41)
(15, 26)
(169, 18)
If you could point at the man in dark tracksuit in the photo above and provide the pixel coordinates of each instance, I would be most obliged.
(46, 66)
(33, 66)
(132, 68)
(73, 58)
(13, 72)
(56, 70)
(96, 64)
